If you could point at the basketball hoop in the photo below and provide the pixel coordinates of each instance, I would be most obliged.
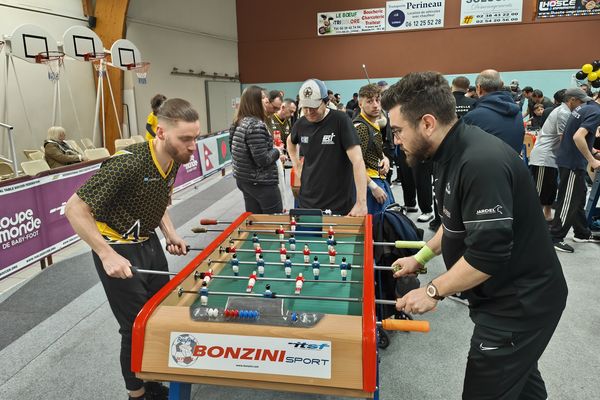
(96, 59)
(141, 70)
(54, 61)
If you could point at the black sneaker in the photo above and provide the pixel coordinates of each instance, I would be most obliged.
(411, 209)
(156, 391)
(562, 246)
(592, 239)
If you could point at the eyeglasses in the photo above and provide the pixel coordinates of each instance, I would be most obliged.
(397, 132)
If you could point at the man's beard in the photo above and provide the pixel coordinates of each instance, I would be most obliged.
(179, 158)
(419, 154)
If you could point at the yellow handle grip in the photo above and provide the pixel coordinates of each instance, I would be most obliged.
(409, 244)
(405, 325)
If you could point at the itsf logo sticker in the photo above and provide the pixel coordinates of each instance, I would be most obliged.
(253, 354)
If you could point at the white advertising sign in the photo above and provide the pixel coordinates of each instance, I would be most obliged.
(480, 12)
(350, 21)
(254, 354)
(414, 14)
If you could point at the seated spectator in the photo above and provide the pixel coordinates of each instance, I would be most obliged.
(59, 153)
(535, 122)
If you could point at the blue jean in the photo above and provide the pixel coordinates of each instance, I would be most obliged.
(372, 205)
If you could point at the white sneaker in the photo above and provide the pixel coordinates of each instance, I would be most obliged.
(425, 217)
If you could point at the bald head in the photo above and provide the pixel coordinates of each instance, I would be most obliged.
(488, 81)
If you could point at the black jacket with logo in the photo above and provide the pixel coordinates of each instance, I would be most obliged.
(491, 216)
(253, 156)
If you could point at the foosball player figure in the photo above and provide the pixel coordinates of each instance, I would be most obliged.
(204, 294)
(255, 240)
(235, 264)
(332, 254)
(299, 283)
(330, 242)
(258, 252)
(268, 292)
(287, 266)
(344, 266)
(330, 231)
(260, 266)
(316, 265)
(208, 276)
(280, 231)
(292, 242)
(231, 248)
(306, 253)
(251, 282)
(293, 224)
(282, 252)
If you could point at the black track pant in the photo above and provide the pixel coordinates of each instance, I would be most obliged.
(422, 175)
(127, 296)
(570, 211)
(503, 365)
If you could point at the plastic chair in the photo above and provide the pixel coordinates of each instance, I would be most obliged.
(87, 143)
(96, 154)
(120, 144)
(30, 154)
(34, 167)
(6, 170)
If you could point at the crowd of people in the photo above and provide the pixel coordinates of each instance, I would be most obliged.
(457, 154)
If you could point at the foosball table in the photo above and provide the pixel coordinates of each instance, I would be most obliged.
(280, 302)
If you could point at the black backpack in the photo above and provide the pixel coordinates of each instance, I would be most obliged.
(388, 226)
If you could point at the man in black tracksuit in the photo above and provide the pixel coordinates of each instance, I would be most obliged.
(493, 236)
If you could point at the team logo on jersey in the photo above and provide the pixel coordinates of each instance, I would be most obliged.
(489, 211)
(328, 139)
(304, 139)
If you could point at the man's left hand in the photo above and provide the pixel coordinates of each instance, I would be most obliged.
(416, 302)
(176, 245)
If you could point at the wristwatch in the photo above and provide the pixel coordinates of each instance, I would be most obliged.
(432, 291)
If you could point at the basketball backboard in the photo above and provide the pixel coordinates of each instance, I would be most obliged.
(79, 41)
(27, 41)
(124, 53)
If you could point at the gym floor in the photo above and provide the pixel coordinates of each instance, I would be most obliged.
(59, 339)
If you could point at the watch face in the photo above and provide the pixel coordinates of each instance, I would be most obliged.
(431, 290)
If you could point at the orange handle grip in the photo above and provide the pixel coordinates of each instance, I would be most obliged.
(206, 221)
(405, 325)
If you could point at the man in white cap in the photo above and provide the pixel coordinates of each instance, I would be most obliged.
(333, 165)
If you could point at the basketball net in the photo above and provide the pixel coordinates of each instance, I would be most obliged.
(141, 70)
(97, 60)
(54, 61)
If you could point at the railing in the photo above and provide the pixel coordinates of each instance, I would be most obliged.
(11, 144)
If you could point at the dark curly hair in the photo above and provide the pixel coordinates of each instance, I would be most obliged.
(420, 93)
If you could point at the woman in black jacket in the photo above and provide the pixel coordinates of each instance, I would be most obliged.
(253, 155)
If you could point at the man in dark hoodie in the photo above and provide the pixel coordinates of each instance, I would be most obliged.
(496, 112)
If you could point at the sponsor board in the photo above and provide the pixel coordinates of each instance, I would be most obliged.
(251, 354)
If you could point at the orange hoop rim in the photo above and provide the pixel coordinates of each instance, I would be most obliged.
(47, 56)
(139, 67)
(93, 56)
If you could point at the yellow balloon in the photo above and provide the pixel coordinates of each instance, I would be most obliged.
(587, 68)
(592, 76)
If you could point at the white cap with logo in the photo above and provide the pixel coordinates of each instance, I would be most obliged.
(312, 93)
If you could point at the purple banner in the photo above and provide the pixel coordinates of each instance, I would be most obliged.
(32, 221)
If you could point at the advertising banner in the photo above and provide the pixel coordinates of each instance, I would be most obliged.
(481, 12)
(412, 14)
(567, 8)
(350, 22)
(253, 354)
(188, 173)
(32, 221)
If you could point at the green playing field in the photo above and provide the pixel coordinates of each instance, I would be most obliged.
(274, 268)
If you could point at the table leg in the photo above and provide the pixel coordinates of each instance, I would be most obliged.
(180, 391)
